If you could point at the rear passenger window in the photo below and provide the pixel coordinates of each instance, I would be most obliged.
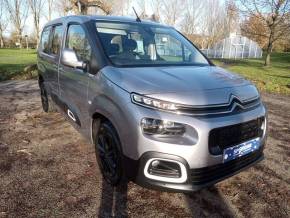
(56, 40)
(44, 44)
(76, 40)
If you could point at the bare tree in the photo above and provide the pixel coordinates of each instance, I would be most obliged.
(141, 11)
(232, 17)
(50, 4)
(274, 15)
(251, 26)
(212, 24)
(192, 16)
(171, 11)
(122, 7)
(18, 10)
(156, 6)
(3, 24)
(142, 8)
(82, 6)
(62, 7)
(36, 7)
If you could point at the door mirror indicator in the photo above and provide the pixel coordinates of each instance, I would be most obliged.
(70, 59)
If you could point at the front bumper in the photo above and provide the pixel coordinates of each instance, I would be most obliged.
(193, 146)
(196, 178)
(192, 150)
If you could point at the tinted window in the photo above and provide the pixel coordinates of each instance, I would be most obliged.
(44, 44)
(56, 40)
(76, 40)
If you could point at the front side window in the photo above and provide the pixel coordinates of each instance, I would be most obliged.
(44, 43)
(77, 40)
(56, 40)
(130, 44)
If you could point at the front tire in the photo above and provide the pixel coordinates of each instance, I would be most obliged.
(107, 146)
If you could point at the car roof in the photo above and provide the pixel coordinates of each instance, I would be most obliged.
(86, 18)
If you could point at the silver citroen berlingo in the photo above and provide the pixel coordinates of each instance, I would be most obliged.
(157, 110)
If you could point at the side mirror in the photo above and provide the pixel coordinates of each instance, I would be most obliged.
(70, 59)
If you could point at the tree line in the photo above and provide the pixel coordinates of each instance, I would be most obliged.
(205, 22)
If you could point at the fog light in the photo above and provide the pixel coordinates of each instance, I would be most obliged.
(165, 168)
(161, 127)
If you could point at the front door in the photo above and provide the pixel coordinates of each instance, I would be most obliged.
(74, 82)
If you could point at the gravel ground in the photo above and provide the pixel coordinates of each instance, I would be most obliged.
(47, 169)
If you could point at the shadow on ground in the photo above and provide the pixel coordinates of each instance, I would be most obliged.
(113, 200)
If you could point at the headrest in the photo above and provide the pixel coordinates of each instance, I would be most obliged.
(113, 49)
(129, 44)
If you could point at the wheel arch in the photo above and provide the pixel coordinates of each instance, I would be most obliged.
(97, 119)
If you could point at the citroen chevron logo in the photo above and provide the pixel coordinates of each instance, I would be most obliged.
(235, 102)
(234, 98)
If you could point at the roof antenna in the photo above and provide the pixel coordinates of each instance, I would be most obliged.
(137, 17)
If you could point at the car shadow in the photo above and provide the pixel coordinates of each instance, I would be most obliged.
(208, 202)
(113, 200)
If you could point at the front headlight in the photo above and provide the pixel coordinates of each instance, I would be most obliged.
(152, 102)
(152, 126)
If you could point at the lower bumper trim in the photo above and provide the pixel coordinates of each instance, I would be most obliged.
(212, 173)
(197, 178)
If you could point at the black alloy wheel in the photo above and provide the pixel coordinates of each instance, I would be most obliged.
(108, 154)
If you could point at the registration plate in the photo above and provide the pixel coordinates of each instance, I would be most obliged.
(241, 149)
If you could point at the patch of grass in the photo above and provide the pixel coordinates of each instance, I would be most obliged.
(273, 79)
(13, 62)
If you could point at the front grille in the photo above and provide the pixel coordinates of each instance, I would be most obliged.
(224, 137)
(205, 175)
(234, 105)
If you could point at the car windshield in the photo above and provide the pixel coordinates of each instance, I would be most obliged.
(130, 44)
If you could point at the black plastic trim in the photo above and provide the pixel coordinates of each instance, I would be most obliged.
(64, 107)
(212, 173)
(134, 171)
